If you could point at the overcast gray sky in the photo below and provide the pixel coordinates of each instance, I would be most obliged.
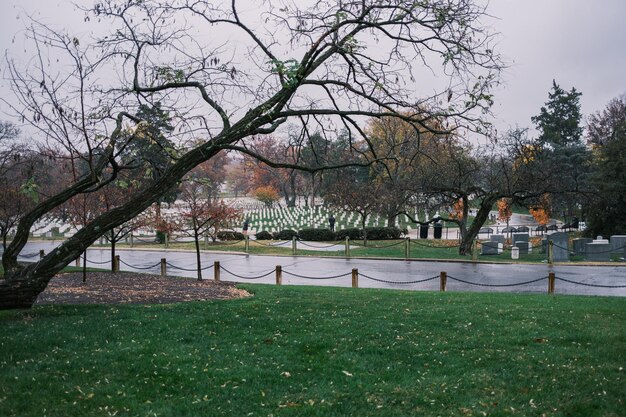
(579, 43)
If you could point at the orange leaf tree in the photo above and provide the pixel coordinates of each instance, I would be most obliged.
(268, 195)
(504, 210)
(541, 212)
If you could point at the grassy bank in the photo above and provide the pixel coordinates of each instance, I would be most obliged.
(304, 351)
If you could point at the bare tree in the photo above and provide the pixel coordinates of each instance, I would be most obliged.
(323, 66)
(200, 215)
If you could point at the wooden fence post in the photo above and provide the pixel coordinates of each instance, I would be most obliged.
(550, 252)
(216, 271)
(116, 263)
(246, 244)
(42, 253)
(167, 240)
(206, 242)
(474, 251)
(131, 240)
(294, 245)
(551, 279)
(443, 279)
(347, 246)
(163, 267)
(355, 278)
(279, 275)
(407, 247)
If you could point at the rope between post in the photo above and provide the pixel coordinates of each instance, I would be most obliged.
(497, 285)
(590, 285)
(308, 277)
(188, 269)
(318, 247)
(140, 267)
(243, 277)
(98, 263)
(399, 282)
(271, 245)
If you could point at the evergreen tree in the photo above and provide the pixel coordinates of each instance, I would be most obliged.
(559, 120)
(563, 151)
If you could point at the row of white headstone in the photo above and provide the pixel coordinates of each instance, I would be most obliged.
(297, 218)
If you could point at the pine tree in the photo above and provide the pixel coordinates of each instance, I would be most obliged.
(559, 120)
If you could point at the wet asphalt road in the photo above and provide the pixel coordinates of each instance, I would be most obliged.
(395, 274)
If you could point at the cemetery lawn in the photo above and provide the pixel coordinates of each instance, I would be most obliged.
(315, 351)
(392, 249)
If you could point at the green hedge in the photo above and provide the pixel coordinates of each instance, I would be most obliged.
(352, 233)
(264, 235)
(229, 235)
(286, 234)
(383, 233)
(316, 235)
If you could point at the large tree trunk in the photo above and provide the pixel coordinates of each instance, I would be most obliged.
(288, 189)
(22, 285)
(22, 289)
(468, 235)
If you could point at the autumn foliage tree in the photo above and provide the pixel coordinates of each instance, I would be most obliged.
(263, 176)
(457, 209)
(197, 214)
(504, 210)
(267, 195)
(541, 211)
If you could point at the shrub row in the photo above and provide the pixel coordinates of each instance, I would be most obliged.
(319, 235)
(229, 235)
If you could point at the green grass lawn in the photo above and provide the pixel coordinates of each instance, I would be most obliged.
(310, 351)
(421, 249)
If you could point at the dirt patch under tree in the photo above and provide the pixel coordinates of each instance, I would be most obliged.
(131, 288)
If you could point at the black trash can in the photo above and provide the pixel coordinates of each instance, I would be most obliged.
(423, 231)
(438, 227)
